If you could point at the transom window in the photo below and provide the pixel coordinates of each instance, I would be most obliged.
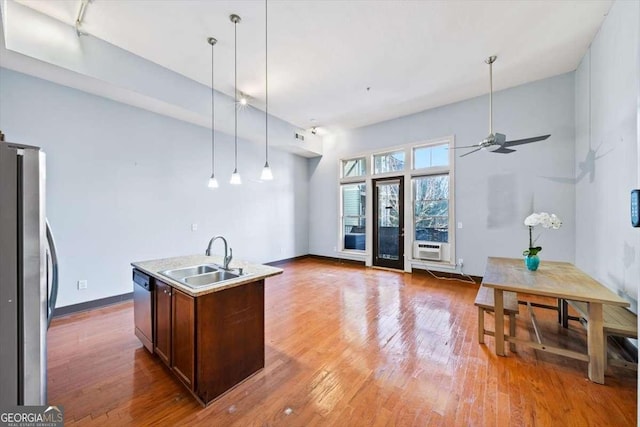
(431, 156)
(353, 167)
(388, 162)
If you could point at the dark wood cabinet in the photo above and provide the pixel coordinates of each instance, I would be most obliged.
(175, 331)
(183, 336)
(211, 342)
(162, 342)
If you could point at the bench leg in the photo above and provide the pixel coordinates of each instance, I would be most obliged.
(563, 316)
(606, 350)
(512, 331)
(481, 325)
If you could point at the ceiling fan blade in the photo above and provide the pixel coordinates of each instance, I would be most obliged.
(525, 141)
(464, 146)
(503, 150)
(472, 151)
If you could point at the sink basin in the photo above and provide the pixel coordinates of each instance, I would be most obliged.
(200, 275)
(209, 278)
(180, 273)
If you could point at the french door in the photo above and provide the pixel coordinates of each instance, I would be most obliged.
(388, 222)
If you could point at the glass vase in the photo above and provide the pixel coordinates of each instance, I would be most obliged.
(532, 262)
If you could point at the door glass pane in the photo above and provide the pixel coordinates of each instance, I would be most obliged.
(388, 220)
(388, 162)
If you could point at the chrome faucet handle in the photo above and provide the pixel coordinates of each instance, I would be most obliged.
(227, 259)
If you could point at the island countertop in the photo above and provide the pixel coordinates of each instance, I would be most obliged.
(253, 272)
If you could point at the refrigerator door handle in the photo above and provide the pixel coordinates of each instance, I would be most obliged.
(53, 292)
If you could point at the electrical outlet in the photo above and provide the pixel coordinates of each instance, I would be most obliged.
(460, 260)
(194, 227)
(82, 284)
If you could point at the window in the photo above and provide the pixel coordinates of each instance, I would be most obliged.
(431, 156)
(353, 216)
(427, 169)
(388, 162)
(431, 208)
(353, 167)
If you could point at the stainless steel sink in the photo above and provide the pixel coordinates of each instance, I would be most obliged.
(181, 273)
(209, 278)
(200, 275)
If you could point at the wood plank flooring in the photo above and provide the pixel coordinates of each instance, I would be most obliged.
(345, 346)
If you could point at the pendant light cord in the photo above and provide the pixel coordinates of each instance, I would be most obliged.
(590, 54)
(491, 97)
(266, 89)
(235, 71)
(213, 116)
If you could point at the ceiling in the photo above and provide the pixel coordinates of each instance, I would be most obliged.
(344, 64)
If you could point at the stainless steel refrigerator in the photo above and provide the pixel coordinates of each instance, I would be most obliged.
(28, 276)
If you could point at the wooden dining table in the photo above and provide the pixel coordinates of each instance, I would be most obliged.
(561, 280)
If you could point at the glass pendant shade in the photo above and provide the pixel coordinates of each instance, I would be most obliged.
(213, 182)
(235, 178)
(266, 175)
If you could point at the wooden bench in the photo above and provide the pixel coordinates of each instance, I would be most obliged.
(617, 321)
(484, 302)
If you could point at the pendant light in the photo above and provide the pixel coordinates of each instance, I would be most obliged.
(235, 177)
(266, 175)
(213, 182)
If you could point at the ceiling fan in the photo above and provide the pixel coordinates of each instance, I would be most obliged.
(498, 139)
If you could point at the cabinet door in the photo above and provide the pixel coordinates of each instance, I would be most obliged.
(163, 322)
(183, 337)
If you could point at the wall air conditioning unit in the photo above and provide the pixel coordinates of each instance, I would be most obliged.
(428, 251)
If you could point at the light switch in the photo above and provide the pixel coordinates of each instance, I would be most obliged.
(194, 227)
(459, 225)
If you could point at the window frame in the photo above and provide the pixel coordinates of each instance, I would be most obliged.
(342, 217)
(388, 173)
(409, 173)
(356, 177)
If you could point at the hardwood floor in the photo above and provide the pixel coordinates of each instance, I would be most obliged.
(345, 346)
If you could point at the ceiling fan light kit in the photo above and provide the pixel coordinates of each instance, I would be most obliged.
(498, 139)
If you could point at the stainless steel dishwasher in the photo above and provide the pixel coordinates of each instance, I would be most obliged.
(143, 308)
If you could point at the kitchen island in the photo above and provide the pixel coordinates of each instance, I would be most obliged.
(211, 337)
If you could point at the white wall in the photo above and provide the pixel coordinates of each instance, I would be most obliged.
(607, 247)
(494, 192)
(125, 185)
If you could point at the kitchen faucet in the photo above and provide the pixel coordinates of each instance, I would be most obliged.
(227, 257)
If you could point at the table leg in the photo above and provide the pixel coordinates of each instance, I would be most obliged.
(595, 342)
(499, 312)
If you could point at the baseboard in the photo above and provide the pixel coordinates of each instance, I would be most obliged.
(90, 305)
(286, 260)
(319, 257)
(337, 260)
